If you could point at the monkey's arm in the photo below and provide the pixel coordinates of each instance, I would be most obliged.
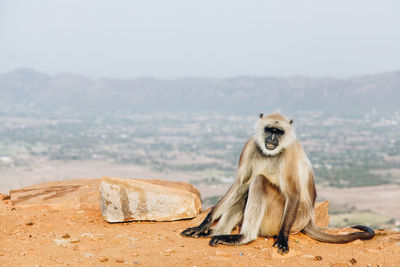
(225, 205)
(292, 204)
(202, 230)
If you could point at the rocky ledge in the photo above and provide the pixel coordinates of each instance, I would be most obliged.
(60, 224)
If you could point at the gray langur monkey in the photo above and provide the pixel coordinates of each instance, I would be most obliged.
(273, 194)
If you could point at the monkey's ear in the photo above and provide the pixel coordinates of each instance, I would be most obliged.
(261, 115)
(291, 121)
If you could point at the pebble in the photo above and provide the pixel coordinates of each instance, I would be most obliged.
(119, 260)
(135, 262)
(87, 235)
(88, 255)
(74, 240)
(353, 261)
(103, 259)
(307, 256)
(66, 236)
(29, 223)
(61, 242)
(241, 253)
(318, 258)
(135, 254)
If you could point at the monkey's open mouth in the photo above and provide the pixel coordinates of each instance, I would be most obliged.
(270, 146)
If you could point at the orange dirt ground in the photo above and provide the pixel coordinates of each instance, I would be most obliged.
(68, 236)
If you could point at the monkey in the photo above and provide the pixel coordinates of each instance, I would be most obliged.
(273, 195)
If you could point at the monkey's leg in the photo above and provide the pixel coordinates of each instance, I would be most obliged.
(253, 215)
(231, 217)
(291, 207)
(229, 200)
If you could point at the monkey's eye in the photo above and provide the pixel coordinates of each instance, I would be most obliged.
(272, 130)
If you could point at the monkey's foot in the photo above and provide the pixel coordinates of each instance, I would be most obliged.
(232, 240)
(196, 232)
(282, 244)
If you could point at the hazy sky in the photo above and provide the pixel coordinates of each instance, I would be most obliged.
(208, 38)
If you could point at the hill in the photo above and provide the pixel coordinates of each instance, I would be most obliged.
(244, 94)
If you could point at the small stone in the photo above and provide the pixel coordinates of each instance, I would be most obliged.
(66, 236)
(88, 255)
(241, 253)
(135, 262)
(222, 253)
(74, 240)
(353, 261)
(169, 250)
(318, 258)
(308, 256)
(103, 259)
(29, 223)
(87, 235)
(135, 254)
(22, 254)
(119, 260)
(62, 242)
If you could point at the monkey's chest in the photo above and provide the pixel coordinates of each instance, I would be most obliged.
(270, 172)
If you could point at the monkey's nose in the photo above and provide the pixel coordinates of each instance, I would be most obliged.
(273, 137)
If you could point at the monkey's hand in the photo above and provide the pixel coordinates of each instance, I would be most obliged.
(196, 232)
(282, 244)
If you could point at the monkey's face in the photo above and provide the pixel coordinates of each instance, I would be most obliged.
(273, 134)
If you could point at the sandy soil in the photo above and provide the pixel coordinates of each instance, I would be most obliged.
(70, 236)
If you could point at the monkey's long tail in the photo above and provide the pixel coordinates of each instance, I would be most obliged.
(316, 233)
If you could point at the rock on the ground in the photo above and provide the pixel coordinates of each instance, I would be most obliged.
(130, 200)
(321, 214)
(76, 194)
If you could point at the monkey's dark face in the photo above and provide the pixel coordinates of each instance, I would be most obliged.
(273, 135)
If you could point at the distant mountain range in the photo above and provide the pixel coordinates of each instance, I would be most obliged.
(240, 95)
